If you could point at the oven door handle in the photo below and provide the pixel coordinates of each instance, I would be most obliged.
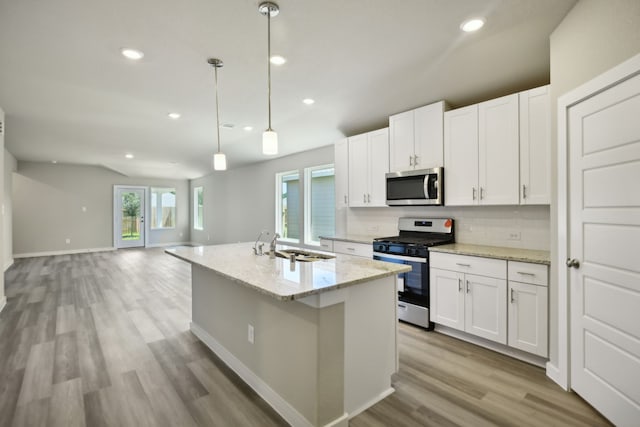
(399, 257)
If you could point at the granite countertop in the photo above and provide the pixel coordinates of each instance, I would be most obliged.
(499, 252)
(353, 238)
(277, 278)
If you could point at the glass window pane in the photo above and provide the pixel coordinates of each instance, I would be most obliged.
(163, 208)
(322, 204)
(288, 205)
(198, 208)
(130, 216)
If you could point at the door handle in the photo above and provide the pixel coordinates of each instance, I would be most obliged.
(573, 263)
(368, 198)
(410, 160)
(467, 286)
(473, 194)
(459, 285)
(481, 193)
(512, 298)
(415, 160)
(364, 198)
(524, 191)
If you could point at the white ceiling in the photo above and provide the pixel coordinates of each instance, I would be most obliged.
(70, 96)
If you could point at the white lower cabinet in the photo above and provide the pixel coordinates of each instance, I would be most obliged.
(528, 307)
(472, 294)
(351, 248)
(469, 294)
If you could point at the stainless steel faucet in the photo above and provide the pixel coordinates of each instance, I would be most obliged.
(272, 246)
(257, 249)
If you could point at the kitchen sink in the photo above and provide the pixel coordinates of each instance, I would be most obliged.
(302, 255)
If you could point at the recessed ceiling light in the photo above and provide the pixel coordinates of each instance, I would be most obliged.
(129, 156)
(308, 101)
(277, 60)
(174, 116)
(248, 128)
(131, 53)
(471, 25)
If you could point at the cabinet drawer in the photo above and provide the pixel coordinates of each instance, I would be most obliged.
(525, 272)
(490, 267)
(326, 245)
(351, 248)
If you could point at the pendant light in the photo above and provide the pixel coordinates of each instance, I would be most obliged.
(219, 159)
(269, 136)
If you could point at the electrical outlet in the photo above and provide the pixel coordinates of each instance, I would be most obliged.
(514, 235)
(250, 335)
(68, 241)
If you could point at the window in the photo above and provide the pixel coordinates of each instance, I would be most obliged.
(288, 205)
(163, 208)
(319, 218)
(198, 210)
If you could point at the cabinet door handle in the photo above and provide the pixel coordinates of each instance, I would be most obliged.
(481, 193)
(410, 160)
(524, 191)
(467, 286)
(459, 285)
(512, 297)
(364, 198)
(526, 273)
(463, 265)
(368, 198)
(415, 160)
(345, 198)
(473, 194)
(351, 249)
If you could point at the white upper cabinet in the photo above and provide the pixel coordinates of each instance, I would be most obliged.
(461, 156)
(368, 164)
(535, 146)
(416, 138)
(498, 151)
(481, 153)
(341, 165)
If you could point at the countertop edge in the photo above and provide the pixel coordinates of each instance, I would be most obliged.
(298, 295)
(486, 252)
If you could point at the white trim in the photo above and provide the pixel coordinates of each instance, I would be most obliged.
(604, 81)
(67, 252)
(492, 345)
(8, 264)
(554, 373)
(162, 245)
(3, 303)
(281, 406)
(370, 403)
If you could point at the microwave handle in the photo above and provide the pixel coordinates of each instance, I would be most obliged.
(434, 182)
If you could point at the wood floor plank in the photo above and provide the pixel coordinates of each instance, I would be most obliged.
(66, 366)
(66, 319)
(38, 376)
(145, 326)
(10, 384)
(33, 414)
(67, 405)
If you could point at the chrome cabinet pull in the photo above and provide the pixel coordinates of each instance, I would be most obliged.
(526, 273)
(345, 198)
(459, 285)
(463, 265)
(467, 286)
(473, 192)
(410, 160)
(524, 191)
(512, 298)
(364, 198)
(481, 193)
(415, 160)
(368, 198)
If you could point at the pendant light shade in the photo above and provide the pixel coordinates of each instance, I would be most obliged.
(269, 136)
(219, 159)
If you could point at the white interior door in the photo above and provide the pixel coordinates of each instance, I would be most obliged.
(604, 238)
(129, 213)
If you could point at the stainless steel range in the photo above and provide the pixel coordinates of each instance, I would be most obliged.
(411, 247)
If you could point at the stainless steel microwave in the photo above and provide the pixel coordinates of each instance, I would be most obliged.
(416, 188)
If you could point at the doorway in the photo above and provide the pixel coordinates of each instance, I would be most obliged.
(599, 213)
(128, 216)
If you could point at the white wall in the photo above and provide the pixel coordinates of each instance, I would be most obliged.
(595, 36)
(238, 203)
(3, 299)
(48, 200)
(10, 166)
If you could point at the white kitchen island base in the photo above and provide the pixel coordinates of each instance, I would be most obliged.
(318, 360)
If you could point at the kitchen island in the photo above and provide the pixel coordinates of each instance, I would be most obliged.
(317, 340)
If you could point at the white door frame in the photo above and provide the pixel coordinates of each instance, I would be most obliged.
(560, 372)
(116, 188)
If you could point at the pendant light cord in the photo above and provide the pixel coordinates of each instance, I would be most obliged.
(217, 109)
(269, 61)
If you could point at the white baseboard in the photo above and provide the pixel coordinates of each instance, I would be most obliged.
(281, 406)
(8, 264)
(372, 402)
(495, 346)
(162, 245)
(3, 303)
(553, 372)
(67, 252)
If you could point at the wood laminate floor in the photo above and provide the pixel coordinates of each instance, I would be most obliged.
(102, 339)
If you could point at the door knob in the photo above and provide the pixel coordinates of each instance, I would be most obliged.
(573, 263)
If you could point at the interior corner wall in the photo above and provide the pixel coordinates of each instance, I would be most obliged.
(48, 201)
(595, 36)
(239, 203)
(10, 166)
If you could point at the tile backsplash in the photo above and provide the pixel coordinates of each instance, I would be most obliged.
(524, 227)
